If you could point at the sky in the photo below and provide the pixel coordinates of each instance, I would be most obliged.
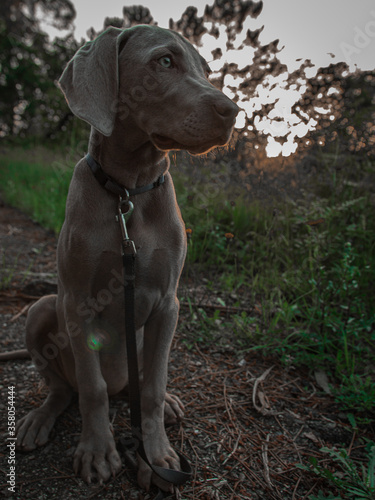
(308, 29)
(324, 31)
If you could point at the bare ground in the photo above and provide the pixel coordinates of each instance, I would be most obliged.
(246, 427)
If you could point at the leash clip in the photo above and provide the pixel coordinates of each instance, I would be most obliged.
(123, 217)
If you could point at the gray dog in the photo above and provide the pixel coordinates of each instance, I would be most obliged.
(144, 91)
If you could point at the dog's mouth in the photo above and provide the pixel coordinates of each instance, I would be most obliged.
(168, 144)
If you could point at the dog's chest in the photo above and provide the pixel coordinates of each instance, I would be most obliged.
(158, 264)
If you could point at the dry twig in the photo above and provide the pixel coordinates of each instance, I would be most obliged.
(23, 311)
(265, 462)
(263, 408)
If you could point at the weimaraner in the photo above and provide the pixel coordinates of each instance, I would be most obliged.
(144, 91)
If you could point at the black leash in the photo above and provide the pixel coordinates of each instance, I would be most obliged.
(125, 209)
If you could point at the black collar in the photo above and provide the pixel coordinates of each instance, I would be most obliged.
(114, 187)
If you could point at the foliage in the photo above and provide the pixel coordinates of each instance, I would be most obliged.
(329, 319)
(29, 66)
(306, 269)
(357, 483)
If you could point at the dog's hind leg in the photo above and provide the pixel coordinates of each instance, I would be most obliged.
(41, 327)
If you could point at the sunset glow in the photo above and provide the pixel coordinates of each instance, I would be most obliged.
(280, 121)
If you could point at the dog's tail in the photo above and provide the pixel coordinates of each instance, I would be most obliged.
(19, 354)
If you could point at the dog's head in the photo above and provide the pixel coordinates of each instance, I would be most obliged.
(151, 78)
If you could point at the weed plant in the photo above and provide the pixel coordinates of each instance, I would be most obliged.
(351, 480)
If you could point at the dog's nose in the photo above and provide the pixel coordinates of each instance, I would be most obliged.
(226, 108)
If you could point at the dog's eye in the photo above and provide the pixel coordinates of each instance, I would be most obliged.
(166, 62)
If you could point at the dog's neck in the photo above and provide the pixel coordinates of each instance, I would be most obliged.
(132, 161)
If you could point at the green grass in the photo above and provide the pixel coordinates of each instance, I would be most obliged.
(311, 286)
(36, 185)
(312, 283)
(349, 479)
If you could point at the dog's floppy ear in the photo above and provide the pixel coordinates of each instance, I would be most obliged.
(90, 81)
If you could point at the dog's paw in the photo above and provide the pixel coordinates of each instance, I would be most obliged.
(97, 458)
(33, 430)
(161, 454)
(173, 410)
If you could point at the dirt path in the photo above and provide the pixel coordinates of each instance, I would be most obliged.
(237, 451)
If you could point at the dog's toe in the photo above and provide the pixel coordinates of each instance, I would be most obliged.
(82, 464)
(115, 463)
(96, 460)
(33, 430)
(146, 477)
(161, 454)
(174, 409)
(103, 469)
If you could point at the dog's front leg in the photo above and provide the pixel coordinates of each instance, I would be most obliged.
(96, 454)
(158, 335)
